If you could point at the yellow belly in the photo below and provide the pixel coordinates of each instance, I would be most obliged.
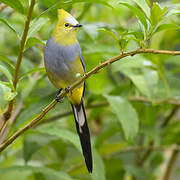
(76, 95)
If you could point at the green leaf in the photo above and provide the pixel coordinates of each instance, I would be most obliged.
(63, 134)
(33, 109)
(110, 131)
(104, 2)
(98, 167)
(6, 73)
(36, 25)
(157, 13)
(32, 143)
(173, 12)
(15, 4)
(5, 22)
(157, 160)
(141, 82)
(29, 148)
(166, 27)
(32, 71)
(138, 13)
(110, 33)
(61, 4)
(151, 79)
(37, 169)
(144, 6)
(7, 60)
(33, 41)
(172, 133)
(123, 43)
(91, 30)
(140, 71)
(6, 94)
(148, 2)
(48, 3)
(126, 115)
(112, 148)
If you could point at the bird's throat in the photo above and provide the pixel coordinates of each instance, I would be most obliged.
(65, 39)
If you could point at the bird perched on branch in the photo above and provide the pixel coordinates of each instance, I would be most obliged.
(64, 65)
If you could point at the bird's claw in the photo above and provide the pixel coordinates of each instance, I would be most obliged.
(57, 95)
(67, 89)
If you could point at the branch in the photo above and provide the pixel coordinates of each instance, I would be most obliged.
(23, 40)
(141, 161)
(7, 113)
(12, 119)
(163, 125)
(130, 98)
(145, 148)
(2, 7)
(156, 101)
(68, 113)
(170, 165)
(78, 82)
(168, 118)
(131, 149)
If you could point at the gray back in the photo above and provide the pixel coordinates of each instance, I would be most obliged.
(59, 60)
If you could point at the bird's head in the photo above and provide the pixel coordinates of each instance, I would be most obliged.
(66, 22)
(66, 26)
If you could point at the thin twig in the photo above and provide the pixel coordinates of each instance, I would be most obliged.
(145, 148)
(11, 120)
(170, 165)
(132, 149)
(78, 82)
(168, 118)
(2, 7)
(23, 40)
(130, 98)
(141, 161)
(8, 112)
(68, 113)
(164, 124)
(156, 101)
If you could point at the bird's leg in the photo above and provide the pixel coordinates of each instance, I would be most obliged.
(57, 95)
(67, 89)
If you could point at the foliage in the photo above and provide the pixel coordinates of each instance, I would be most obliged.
(139, 94)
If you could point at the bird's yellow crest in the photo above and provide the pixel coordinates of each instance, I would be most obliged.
(65, 31)
(63, 14)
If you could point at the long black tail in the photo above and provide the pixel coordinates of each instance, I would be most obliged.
(83, 132)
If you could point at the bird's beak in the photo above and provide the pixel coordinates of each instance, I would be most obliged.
(77, 25)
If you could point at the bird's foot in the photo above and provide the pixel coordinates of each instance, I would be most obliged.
(57, 95)
(67, 89)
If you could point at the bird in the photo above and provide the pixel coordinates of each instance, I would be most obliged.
(64, 65)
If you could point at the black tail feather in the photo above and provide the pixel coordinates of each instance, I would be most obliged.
(83, 132)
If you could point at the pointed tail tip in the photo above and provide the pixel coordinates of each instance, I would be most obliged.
(89, 165)
(90, 169)
(88, 160)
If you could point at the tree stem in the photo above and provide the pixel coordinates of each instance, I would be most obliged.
(8, 112)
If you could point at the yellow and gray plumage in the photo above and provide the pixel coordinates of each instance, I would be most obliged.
(64, 65)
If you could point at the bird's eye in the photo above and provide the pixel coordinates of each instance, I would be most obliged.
(66, 25)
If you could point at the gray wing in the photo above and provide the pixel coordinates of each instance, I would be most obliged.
(58, 60)
(82, 61)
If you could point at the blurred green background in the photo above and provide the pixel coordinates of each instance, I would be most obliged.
(131, 104)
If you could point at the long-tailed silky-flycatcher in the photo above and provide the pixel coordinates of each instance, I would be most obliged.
(64, 65)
